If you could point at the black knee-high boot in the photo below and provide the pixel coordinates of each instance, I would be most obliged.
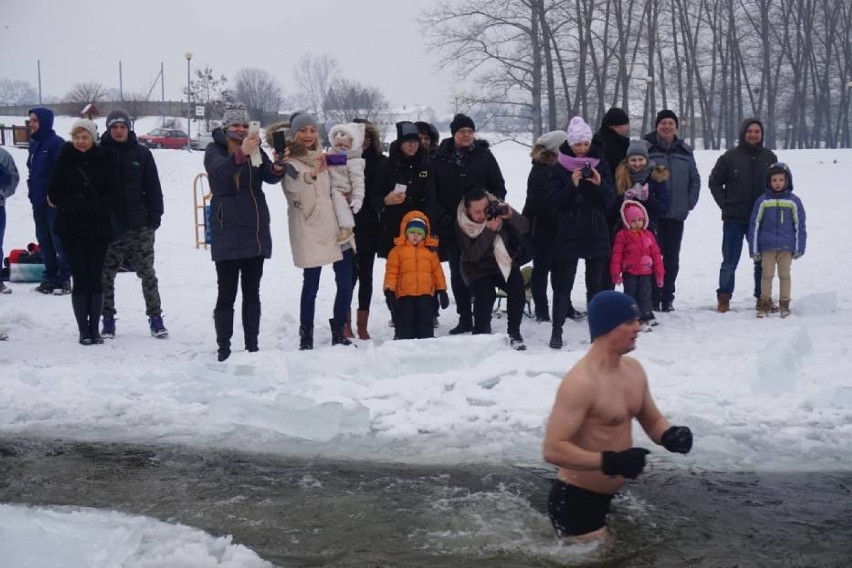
(96, 303)
(251, 325)
(81, 314)
(223, 321)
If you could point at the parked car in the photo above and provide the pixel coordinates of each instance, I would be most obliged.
(164, 138)
(201, 142)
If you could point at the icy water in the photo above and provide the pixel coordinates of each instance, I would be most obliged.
(303, 512)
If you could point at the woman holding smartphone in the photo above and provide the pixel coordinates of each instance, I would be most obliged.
(313, 229)
(239, 228)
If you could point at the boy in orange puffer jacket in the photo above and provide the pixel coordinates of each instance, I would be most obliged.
(413, 275)
(636, 260)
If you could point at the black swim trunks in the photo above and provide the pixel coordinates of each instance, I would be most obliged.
(575, 511)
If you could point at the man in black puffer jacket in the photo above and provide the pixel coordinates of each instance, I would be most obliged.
(737, 180)
(461, 163)
(139, 210)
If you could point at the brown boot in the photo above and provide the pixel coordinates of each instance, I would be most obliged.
(773, 307)
(763, 307)
(785, 308)
(363, 317)
(347, 326)
(724, 302)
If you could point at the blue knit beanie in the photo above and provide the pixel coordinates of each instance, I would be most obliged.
(608, 310)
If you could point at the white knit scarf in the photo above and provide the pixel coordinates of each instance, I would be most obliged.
(473, 229)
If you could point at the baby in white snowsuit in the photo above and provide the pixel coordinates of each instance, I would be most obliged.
(347, 182)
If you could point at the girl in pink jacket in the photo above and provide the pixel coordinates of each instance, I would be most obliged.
(636, 260)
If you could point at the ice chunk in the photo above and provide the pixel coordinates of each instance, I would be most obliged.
(778, 364)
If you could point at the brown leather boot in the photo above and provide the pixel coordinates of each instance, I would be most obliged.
(763, 308)
(347, 327)
(363, 317)
(724, 302)
(785, 308)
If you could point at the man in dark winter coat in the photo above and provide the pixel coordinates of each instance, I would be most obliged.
(666, 149)
(613, 138)
(139, 210)
(43, 153)
(460, 164)
(738, 179)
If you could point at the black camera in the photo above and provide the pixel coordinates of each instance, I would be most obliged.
(495, 209)
(586, 172)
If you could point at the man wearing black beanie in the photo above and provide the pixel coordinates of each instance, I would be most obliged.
(596, 456)
(666, 149)
(461, 163)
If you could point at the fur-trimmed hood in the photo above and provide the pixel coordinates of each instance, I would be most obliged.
(353, 130)
(541, 155)
(429, 241)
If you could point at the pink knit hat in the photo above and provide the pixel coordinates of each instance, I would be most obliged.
(633, 212)
(578, 131)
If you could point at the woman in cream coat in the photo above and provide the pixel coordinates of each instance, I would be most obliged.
(313, 229)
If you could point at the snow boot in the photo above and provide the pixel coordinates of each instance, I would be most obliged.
(81, 314)
(108, 329)
(251, 326)
(223, 322)
(763, 308)
(337, 336)
(465, 325)
(785, 308)
(363, 318)
(306, 337)
(517, 342)
(347, 325)
(96, 304)
(723, 302)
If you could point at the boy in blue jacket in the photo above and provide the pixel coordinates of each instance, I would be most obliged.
(777, 235)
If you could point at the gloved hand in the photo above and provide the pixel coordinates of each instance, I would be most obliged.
(443, 299)
(660, 283)
(628, 463)
(632, 193)
(677, 439)
(390, 300)
(755, 257)
(797, 255)
(356, 205)
(617, 279)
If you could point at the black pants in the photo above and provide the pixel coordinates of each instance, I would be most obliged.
(484, 291)
(542, 267)
(461, 293)
(639, 288)
(86, 258)
(669, 237)
(230, 273)
(366, 237)
(413, 318)
(565, 270)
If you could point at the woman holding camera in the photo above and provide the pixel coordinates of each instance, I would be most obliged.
(239, 229)
(583, 192)
(491, 236)
(313, 230)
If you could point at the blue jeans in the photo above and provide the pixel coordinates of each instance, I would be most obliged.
(733, 234)
(57, 270)
(2, 229)
(343, 298)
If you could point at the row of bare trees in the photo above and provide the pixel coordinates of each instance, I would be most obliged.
(712, 61)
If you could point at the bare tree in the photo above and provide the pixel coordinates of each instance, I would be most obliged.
(347, 100)
(17, 92)
(207, 88)
(314, 75)
(85, 93)
(258, 90)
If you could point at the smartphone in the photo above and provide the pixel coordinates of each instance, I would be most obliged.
(400, 188)
(254, 127)
(279, 142)
(335, 159)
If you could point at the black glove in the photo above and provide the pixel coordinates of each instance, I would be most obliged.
(677, 439)
(390, 299)
(628, 463)
(443, 299)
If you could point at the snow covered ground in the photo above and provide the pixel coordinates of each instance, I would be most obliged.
(759, 394)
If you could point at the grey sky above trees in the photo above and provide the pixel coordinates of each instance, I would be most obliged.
(376, 43)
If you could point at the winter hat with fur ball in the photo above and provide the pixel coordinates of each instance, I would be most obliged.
(552, 140)
(578, 131)
(85, 124)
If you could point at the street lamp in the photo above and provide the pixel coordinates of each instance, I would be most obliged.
(848, 112)
(648, 81)
(188, 102)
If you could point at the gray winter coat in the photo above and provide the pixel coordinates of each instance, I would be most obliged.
(684, 179)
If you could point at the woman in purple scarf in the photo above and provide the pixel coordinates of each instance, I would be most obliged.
(582, 192)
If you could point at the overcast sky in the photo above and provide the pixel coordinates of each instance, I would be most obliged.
(376, 42)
